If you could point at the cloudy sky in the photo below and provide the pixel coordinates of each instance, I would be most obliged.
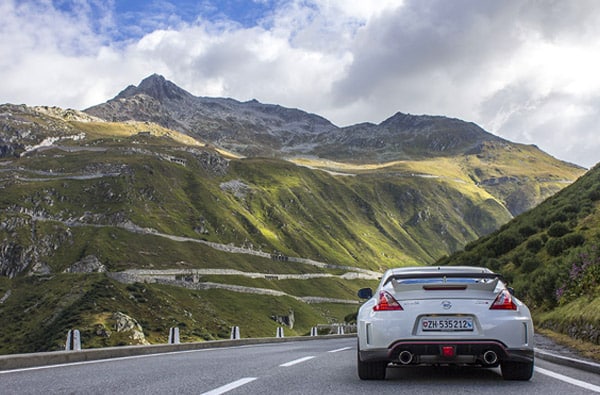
(528, 71)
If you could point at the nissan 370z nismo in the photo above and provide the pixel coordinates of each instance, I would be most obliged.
(443, 316)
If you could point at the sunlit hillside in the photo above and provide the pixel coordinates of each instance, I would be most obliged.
(104, 219)
(551, 256)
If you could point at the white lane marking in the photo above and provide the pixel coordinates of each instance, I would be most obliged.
(230, 386)
(296, 361)
(568, 379)
(340, 349)
(62, 365)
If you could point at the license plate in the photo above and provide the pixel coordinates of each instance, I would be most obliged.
(446, 324)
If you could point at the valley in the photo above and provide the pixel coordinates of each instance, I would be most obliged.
(165, 220)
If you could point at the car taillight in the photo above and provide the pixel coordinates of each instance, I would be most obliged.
(504, 301)
(387, 302)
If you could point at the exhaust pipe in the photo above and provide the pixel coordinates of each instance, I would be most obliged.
(405, 357)
(490, 357)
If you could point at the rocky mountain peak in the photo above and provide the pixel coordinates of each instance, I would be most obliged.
(155, 86)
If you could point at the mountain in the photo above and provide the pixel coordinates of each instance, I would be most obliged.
(404, 137)
(550, 255)
(248, 129)
(520, 176)
(147, 214)
(256, 129)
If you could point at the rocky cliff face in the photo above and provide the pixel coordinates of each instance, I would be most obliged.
(26, 247)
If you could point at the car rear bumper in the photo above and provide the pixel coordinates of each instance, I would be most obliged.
(432, 352)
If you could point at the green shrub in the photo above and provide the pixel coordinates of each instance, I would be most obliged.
(584, 275)
(594, 195)
(502, 244)
(539, 292)
(557, 229)
(534, 245)
(557, 217)
(527, 230)
(573, 240)
(555, 247)
(529, 263)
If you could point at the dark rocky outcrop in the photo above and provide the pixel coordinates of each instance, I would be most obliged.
(89, 264)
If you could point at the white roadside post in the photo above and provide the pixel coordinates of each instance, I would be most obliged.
(174, 335)
(73, 340)
(280, 332)
(235, 333)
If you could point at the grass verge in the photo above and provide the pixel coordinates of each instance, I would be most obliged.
(586, 349)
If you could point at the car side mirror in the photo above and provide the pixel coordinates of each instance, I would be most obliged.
(365, 293)
(511, 290)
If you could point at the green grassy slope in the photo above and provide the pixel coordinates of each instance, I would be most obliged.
(551, 256)
(137, 196)
(40, 311)
(370, 221)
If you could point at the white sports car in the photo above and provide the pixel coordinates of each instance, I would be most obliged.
(444, 316)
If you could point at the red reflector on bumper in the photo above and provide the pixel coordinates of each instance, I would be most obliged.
(448, 351)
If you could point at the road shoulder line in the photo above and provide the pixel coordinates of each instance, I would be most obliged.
(568, 379)
(588, 366)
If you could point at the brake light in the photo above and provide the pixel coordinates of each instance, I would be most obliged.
(448, 351)
(387, 302)
(444, 287)
(504, 301)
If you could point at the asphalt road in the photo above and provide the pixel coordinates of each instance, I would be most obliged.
(325, 366)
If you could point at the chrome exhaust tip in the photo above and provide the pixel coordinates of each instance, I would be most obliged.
(490, 357)
(405, 357)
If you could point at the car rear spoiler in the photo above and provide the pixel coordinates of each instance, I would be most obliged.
(487, 286)
(473, 275)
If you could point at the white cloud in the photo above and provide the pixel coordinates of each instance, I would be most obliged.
(500, 64)
(525, 70)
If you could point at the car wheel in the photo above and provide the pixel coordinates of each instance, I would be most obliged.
(517, 370)
(371, 370)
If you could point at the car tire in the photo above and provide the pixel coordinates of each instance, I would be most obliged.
(517, 370)
(371, 370)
